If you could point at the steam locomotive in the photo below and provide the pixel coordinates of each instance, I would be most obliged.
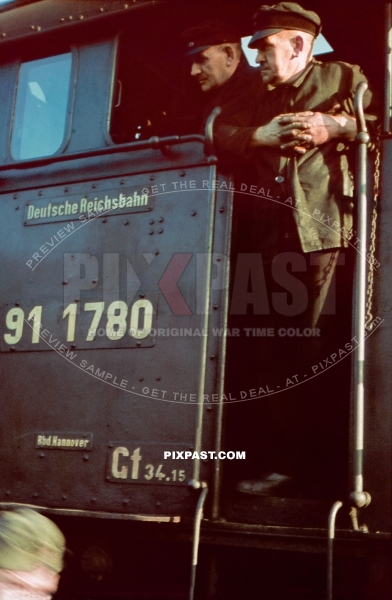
(116, 346)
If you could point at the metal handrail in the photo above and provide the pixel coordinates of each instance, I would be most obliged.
(331, 535)
(153, 142)
(196, 537)
(358, 496)
(209, 130)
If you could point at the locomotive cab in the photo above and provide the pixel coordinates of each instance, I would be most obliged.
(127, 397)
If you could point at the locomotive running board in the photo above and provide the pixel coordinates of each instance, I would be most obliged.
(70, 512)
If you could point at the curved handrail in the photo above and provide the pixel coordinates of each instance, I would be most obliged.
(209, 130)
(358, 496)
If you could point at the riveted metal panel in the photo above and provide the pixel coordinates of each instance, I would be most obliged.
(106, 344)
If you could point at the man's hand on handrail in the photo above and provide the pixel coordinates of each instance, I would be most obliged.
(304, 130)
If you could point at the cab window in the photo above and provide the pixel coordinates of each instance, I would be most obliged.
(40, 115)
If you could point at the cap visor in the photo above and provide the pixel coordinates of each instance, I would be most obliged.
(197, 50)
(260, 35)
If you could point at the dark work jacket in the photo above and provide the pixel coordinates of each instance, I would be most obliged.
(317, 186)
(233, 93)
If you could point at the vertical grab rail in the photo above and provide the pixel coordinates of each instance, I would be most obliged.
(216, 488)
(358, 496)
(331, 535)
(195, 482)
(196, 538)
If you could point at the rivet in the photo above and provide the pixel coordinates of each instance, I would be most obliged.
(35, 495)
(93, 281)
(182, 174)
(141, 378)
(16, 207)
(65, 282)
(62, 19)
(86, 457)
(102, 9)
(110, 445)
(218, 258)
(216, 307)
(160, 220)
(66, 189)
(141, 295)
(38, 28)
(125, 5)
(70, 17)
(138, 344)
(42, 455)
(160, 230)
(3, 35)
(156, 252)
(152, 177)
(209, 407)
(40, 193)
(15, 196)
(17, 303)
(77, 299)
(32, 27)
(81, 17)
(212, 356)
(108, 478)
(93, 499)
(8, 493)
(73, 346)
(158, 378)
(103, 220)
(157, 503)
(126, 222)
(93, 185)
(221, 210)
(64, 497)
(151, 222)
(193, 213)
(151, 232)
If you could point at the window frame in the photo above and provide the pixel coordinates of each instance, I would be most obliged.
(69, 105)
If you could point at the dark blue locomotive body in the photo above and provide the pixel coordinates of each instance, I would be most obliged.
(115, 286)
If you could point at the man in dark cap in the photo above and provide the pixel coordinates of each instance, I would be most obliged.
(296, 131)
(219, 65)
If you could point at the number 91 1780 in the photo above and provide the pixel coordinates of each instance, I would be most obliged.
(85, 322)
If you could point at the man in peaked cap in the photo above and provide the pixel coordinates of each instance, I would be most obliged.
(219, 65)
(297, 133)
(31, 555)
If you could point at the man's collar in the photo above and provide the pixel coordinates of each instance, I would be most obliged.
(298, 80)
